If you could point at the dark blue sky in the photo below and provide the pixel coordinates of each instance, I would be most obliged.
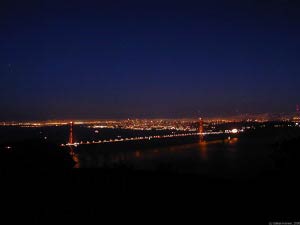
(119, 59)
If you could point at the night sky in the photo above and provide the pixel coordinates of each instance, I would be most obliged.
(145, 59)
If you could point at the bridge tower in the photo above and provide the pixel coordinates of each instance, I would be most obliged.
(297, 113)
(71, 150)
(201, 130)
(71, 139)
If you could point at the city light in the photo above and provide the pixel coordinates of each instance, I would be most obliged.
(234, 131)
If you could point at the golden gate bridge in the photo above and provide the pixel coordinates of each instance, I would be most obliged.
(200, 133)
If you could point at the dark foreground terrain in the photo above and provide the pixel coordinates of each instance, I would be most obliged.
(41, 188)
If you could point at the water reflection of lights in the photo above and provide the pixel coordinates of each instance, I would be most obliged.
(233, 141)
(203, 149)
(74, 157)
(137, 154)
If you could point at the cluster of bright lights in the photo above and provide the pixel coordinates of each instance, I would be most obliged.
(234, 131)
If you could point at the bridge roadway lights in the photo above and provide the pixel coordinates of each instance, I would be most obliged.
(146, 138)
